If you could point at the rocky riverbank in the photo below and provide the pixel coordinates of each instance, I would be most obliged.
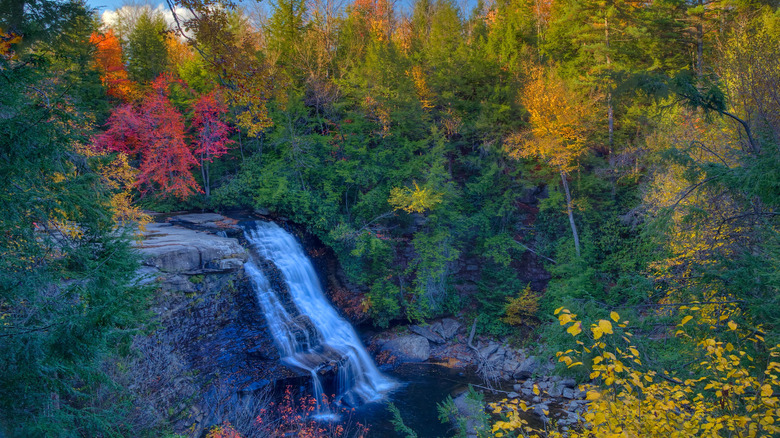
(514, 373)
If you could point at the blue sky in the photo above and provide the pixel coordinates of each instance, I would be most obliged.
(110, 5)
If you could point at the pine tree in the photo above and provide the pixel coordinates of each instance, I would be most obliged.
(146, 49)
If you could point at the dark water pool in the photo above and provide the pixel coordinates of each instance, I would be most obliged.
(422, 386)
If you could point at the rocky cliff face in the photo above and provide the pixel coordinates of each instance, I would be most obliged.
(208, 354)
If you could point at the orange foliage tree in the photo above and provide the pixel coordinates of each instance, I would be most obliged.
(108, 59)
(558, 128)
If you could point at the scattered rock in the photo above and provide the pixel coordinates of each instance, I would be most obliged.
(568, 383)
(489, 349)
(427, 333)
(409, 348)
(527, 368)
(449, 328)
(513, 395)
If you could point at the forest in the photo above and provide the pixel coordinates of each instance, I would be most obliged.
(628, 150)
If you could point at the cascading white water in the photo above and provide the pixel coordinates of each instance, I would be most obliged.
(309, 332)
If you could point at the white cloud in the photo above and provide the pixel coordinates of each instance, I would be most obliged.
(122, 20)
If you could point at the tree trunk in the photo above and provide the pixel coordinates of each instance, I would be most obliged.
(570, 210)
(700, 43)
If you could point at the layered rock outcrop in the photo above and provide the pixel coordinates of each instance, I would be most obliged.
(210, 349)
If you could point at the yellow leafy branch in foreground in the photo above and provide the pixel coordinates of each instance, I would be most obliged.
(734, 397)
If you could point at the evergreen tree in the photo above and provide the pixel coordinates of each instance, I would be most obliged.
(147, 55)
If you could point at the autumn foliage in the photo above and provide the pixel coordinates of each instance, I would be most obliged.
(730, 392)
(108, 59)
(155, 134)
(212, 135)
(293, 417)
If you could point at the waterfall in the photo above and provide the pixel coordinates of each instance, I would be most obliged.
(308, 331)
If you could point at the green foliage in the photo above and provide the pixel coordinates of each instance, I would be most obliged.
(147, 55)
(384, 298)
(476, 420)
(66, 302)
(398, 422)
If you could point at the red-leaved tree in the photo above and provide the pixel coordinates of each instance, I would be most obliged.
(155, 133)
(211, 133)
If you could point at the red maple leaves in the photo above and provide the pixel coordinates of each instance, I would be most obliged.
(155, 133)
(212, 135)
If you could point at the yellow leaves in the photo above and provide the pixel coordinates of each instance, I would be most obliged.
(686, 320)
(732, 325)
(418, 200)
(615, 317)
(631, 402)
(557, 115)
(575, 329)
(6, 41)
(424, 93)
(565, 318)
(605, 326)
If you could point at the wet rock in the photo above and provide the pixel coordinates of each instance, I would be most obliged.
(527, 368)
(262, 211)
(513, 395)
(177, 283)
(427, 333)
(409, 348)
(568, 393)
(556, 390)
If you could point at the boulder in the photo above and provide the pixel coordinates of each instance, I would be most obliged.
(487, 350)
(527, 368)
(449, 328)
(408, 348)
(473, 413)
(556, 390)
(510, 366)
(427, 333)
(181, 250)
